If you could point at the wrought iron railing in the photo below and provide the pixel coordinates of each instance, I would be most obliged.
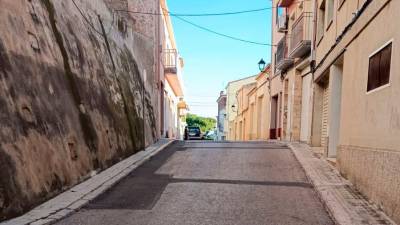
(301, 31)
(282, 50)
(171, 60)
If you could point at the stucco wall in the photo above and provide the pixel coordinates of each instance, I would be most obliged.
(368, 151)
(66, 110)
(231, 99)
(263, 108)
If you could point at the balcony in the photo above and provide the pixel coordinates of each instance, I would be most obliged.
(300, 40)
(172, 65)
(170, 61)
(282, 23)
(283, 61)
(285, 3)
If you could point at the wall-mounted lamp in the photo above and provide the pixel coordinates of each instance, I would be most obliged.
(234, 108)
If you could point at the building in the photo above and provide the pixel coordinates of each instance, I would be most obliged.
(335, 85)
(174, 106)
(242, 122)
(254, 109)
(356, 115)
(291, 73)
(231, 104)
(221, 135)
(260, 106)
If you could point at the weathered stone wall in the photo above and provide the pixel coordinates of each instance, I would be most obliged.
(72, 100)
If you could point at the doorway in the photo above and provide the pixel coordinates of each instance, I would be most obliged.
(273, 133)
(335, 100)
(305, 108)
(286, 115)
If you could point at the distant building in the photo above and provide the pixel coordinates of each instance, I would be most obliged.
(231, 104)
(221, 135)
(242, 121)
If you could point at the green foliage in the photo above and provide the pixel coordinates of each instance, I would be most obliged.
(204, 123)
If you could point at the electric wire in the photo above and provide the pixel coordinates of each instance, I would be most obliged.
(206, 14)
(179, 17)
(221, 34)
(199, 14)
(91, 24)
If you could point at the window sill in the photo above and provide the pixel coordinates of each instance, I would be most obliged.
(378, 89)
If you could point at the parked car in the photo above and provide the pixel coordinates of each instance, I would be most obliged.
(193, 133)
(210, 135)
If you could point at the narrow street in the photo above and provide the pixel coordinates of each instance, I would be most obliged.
(210, 183)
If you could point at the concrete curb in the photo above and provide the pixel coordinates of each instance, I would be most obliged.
(345, 205)
(75, 198)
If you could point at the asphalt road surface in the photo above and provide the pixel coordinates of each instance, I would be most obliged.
(210, 183)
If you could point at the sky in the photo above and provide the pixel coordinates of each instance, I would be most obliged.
(212, 61)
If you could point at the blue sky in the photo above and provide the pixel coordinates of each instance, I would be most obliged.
(212, 61)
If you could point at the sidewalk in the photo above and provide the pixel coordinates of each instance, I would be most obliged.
(346, 206)
(78, 196)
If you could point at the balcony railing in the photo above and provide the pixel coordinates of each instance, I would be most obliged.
(171, 61)
(300, 40)
(283, 61)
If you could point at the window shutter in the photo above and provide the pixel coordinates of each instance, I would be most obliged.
(385, 65)
(379, 68)
(373, 75)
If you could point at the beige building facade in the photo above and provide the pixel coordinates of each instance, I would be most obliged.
(333, 84)
(232, 104)
(356, 107)
(252, 121)
(291, 73)
(339, 92)
(243, 125)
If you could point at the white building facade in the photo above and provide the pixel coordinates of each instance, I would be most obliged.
(175, 108)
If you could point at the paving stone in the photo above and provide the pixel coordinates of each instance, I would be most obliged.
(346, 205)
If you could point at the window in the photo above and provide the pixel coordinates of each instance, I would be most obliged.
(329, 16)
(379, 68)
(279, 12)
(321, 20)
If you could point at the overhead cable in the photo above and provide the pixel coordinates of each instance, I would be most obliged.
(221, 34)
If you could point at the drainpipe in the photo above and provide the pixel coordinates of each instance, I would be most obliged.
(158, 66)
(312, 69)
(314, 38)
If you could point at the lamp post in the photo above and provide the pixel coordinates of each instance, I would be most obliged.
(261, 65)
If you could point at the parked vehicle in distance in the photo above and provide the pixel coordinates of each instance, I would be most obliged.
(193, 133)
(210, 135)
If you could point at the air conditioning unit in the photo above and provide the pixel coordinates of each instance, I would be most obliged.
(282, 23)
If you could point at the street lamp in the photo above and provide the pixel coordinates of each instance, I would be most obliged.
(261, 65)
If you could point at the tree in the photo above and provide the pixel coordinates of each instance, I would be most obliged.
(205, 124)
